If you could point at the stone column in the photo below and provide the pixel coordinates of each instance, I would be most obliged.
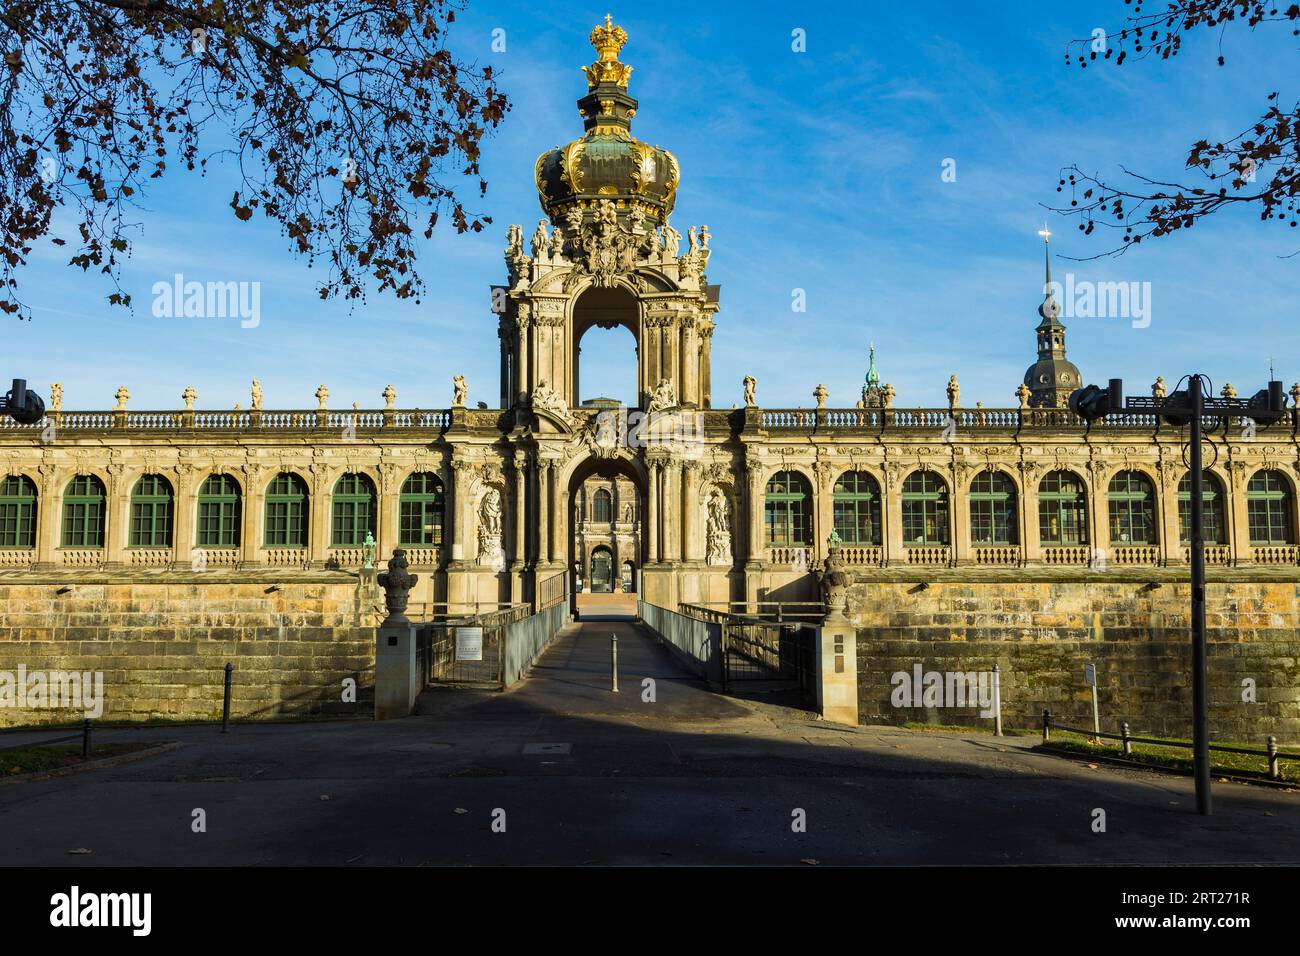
(823, 509)
(520, 516)
(114, 521)
(523, 373)
(670, 511)
(1238, 514)
(318, 514)
(250, 525)
(184, 505)
(1170, 541)
(387, 527)
(754, 502)
(1030, 533)
(688, 390)
(1098, 514)
(559, 515)
(544, 506)
(653, 537)
(895, 553)
(959, 509)
(692, 545)
(460, 544)
(48, 523)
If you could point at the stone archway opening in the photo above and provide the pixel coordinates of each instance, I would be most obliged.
(607, 540)
(610, 315)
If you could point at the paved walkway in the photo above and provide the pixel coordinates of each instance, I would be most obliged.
(585, 776)
(573, 678)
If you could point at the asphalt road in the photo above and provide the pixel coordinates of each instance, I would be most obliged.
(579, 775)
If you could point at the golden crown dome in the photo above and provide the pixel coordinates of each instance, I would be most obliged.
(608, 162)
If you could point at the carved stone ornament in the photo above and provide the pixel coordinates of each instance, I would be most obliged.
(603, 249)
(397, 582)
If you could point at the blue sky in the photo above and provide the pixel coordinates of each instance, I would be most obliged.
(818, 170)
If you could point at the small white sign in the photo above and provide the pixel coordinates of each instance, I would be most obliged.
(1090, 674)
(469, 643)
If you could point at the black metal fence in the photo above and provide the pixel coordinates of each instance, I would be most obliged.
(768, 641)
(1270, 753)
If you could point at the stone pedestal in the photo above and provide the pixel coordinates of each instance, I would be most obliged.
(837, 671)
(397, 679)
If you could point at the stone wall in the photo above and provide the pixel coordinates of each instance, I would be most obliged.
(162, 642)
(1042, 628)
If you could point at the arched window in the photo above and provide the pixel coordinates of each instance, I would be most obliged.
(993, 513)
(1062, 510)
(855, 501)
(219, 513)
(354, 510)
(1269, 510)
(1212, 509)
(83, 513)
(602, 507)
(17, 512)
(787, 510)
(1131, 502)
(286, 512)
(151, 513)
(925, 509)
(420, 507)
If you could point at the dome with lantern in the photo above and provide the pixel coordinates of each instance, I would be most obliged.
(607, 162)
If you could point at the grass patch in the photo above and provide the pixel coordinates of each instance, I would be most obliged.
(1177, 757)
(966, 729)
(58, 756)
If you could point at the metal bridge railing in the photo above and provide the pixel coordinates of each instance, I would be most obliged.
(436, 649)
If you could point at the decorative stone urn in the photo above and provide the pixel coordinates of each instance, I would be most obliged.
(397, 582)
(834, 581)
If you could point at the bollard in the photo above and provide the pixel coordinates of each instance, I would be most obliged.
(1124, 735)
(613, 663)
(225, 705)
(1273, 772)
(85, 739)
(1047, 725)
(997, 701)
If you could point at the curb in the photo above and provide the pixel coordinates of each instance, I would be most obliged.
(93, 764)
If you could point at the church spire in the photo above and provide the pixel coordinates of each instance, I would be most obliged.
(873, 377)
(1053, 376)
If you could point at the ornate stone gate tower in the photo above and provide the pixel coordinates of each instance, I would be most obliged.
(606, 255)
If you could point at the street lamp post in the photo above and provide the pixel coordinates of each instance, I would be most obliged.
(1189, 408)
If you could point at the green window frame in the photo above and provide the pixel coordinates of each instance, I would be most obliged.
(1131, 505)
(17, 512)
(787, 510)
(1213, 525)
(285, 523)
(220, 506)
(1062, 510)
(602, 506)
(354, 510)
(994, 518)
(856, 506)
(421, 504)
(151, 513)
(925, 510)
(84, 504)
(1270, 509)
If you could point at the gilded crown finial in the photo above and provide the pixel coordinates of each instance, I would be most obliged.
(608, 39)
